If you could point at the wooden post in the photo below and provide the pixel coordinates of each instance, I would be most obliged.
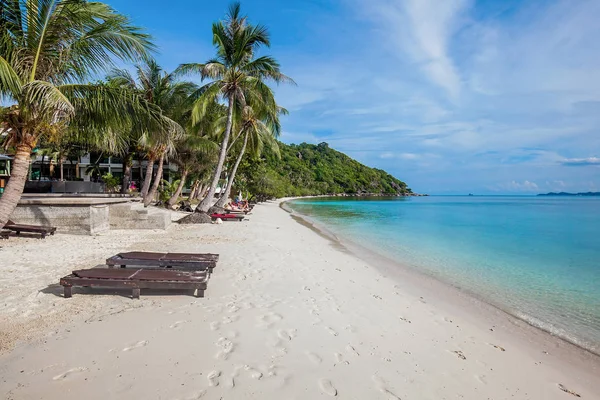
(68, 291)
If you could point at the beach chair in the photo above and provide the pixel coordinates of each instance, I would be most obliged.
(4, 234)
(227, 217)
(136, 279)
(18, 228)
(180, 261)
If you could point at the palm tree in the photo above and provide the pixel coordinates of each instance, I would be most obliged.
(194, 155)
(161, 89)
(234, 72)
(260, 128)
(48, 50)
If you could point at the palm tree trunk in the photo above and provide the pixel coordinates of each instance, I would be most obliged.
(225, 195)
(175, 196)
(207, 202)
(193, 190)
(201, 191)
(148, 177)
(127, 164)
(159, 172)
(16, 183)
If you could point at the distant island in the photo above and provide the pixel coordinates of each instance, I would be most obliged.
(586, 194)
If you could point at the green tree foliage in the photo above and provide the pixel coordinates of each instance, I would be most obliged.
(308, 169)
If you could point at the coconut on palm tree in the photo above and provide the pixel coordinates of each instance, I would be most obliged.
(235, 72)
(48, 51)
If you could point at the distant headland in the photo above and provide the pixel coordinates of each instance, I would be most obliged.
(586, 194)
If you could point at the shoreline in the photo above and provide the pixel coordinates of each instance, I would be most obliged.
(461, 296)
(289, 313)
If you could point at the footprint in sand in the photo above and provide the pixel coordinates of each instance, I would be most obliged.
(287, 335)
(460, 354)
(352, 350)
(254, 373)
(564, 389)
(176, 324)
(68, 373)
(196, 396)
(314, 358)
(268, 320)
(497, 347)
(332, 331)
(327, 387)
(137, 345)
(213, 378)
(339, 359)
(227, 347)
(383, 387)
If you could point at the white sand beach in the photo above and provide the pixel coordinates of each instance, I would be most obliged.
(288, 314)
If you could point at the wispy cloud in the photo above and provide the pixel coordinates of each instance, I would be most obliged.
(581, 162)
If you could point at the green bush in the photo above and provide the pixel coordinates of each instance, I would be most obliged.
(111, 182)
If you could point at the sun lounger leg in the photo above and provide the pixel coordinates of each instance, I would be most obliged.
(136, 293)
(68, 291)
(199, 293)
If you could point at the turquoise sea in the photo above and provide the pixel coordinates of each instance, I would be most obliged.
(537, 258)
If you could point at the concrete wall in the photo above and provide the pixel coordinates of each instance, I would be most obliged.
(84, 220)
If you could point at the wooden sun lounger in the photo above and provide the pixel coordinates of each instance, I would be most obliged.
(18, 228)
(237, 211)
(136, 279)
(4, 234)
(227, 217)
(182, 261)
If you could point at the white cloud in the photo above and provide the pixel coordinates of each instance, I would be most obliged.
(581, 161)
(422, 29)
(514, 186)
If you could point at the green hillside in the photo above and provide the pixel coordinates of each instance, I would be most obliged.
(308, 169)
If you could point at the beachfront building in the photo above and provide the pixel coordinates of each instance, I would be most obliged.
(90, 167)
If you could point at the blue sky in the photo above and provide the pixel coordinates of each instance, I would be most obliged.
(452, 96)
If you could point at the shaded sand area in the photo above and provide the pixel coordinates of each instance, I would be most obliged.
(288, 314)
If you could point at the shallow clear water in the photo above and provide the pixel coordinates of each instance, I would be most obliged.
(535, 257)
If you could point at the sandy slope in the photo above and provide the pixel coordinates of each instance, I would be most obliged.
(288, 315)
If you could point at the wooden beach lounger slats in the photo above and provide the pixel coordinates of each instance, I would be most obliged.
(136, 279)
(228, 217)
(18, 228)
(185, 261)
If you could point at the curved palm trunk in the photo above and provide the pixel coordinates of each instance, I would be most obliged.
(127, 164)
(201, 191)
(159, 172)
(175, 196)
(225, 196)
(16, 183)
(207, 202)
(194, 190)
(147, 177)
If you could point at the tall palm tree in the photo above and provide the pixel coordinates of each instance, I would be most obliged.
(257, 128)
(234, 72)
(161, 89)
(48, 50)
